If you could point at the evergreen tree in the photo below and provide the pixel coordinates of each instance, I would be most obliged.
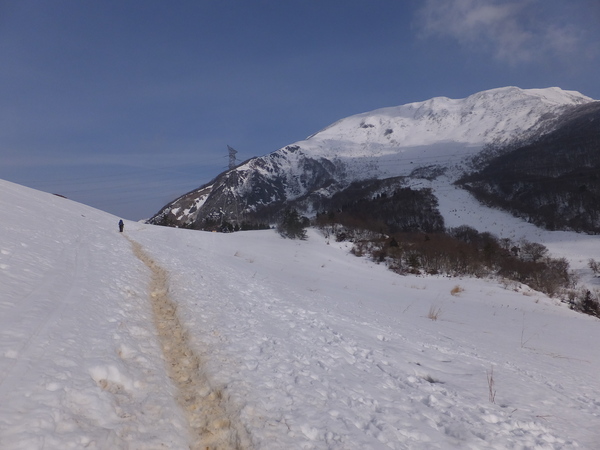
(292, 225)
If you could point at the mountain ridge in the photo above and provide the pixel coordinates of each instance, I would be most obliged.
(398, 141)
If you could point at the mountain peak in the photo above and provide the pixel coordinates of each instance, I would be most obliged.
(390, 142)
(493, 116)
(551, 95)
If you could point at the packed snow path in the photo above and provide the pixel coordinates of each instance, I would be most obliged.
(210, 426)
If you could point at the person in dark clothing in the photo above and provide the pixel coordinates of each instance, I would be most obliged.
(121, 226)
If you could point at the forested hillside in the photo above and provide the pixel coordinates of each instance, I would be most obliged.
(553, 182)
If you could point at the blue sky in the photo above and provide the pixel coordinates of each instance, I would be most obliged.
(125, 105)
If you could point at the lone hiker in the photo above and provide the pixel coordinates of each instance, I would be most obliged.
(121, 226)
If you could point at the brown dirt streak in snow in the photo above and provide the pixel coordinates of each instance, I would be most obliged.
(204, 407)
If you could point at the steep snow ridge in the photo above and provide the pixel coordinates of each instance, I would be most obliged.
(289, 172)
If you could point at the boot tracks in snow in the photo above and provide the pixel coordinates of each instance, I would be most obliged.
(204, 407)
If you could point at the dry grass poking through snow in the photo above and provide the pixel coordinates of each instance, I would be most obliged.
(491, 386)
(210, 425)
(434, 312)
(456, 290)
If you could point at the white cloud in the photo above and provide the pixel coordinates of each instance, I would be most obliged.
(512, 31)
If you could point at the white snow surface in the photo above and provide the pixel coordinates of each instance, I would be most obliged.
(440, 131)
(480, 118)
(309, 346)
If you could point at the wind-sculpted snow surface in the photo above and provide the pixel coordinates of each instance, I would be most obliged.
(309, 346)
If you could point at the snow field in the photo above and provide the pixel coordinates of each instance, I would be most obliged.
(459, 207)
(308, 346)
(79, 365)
(345, 356)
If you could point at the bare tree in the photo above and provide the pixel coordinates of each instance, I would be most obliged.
(533, 251)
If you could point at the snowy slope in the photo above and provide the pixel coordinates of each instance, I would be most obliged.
(440, 131)
(308, 346)
(487, 115)
(388, 142)
(79, 363)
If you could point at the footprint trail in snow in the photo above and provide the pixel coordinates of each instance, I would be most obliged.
(210, 425)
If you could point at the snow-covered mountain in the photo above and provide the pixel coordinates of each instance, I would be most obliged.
(417, 140)
(279, 344)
